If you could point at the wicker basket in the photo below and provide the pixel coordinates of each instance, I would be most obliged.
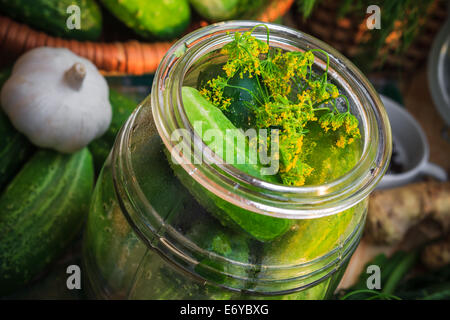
(112, 58)
(347, 34)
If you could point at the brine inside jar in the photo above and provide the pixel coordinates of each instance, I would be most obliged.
(237, 248)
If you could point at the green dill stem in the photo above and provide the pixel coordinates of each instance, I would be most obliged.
(440, 295)
(262, 25)
(246, 50)
(245, 89)
(384, 296)
(333, 102)
(321, 103)
(266, 95)
(334, 106)
(399, 272)
(346, 101)
(328, 60)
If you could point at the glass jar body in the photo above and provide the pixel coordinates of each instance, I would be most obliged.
(122, 263)
(165, 229)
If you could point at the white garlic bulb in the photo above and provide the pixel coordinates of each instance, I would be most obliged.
(57, 99)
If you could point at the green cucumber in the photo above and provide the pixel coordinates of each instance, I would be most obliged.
(310, 239)
(329, 162)
(122, 107)
(117, 254)
(4, 75)
(51, 16)
(15, 148)
(240, 110)
(152, 18)
(41, 211)
(165, 282)
(261, 227)
(220, 10)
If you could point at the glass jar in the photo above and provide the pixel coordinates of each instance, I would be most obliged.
(161, 227)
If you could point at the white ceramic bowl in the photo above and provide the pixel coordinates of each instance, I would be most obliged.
(412, 148)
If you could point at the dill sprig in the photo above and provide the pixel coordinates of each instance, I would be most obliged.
(291, 95)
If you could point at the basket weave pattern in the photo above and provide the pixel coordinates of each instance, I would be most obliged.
(346, 34)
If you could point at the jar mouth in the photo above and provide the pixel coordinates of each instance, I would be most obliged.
(251, 193)
(166, 107)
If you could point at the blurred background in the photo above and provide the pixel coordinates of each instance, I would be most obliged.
(407, 59)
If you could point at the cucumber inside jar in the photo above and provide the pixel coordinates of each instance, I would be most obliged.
(201, 236)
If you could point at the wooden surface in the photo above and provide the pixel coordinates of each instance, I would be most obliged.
(112, 58)
(419, 103)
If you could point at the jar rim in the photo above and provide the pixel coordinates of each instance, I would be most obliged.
(165, 102)
(251, 193)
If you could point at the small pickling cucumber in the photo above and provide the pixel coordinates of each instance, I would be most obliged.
(239, 112)
(220, 10)
(200, 110)
(51, 16)
(15, 148)
(122, 108)
(212, 237)
(260, 227)
(329, 161)
(41, 211)
(152, 18)
(310, 239)
(118, 254)
(211, 71)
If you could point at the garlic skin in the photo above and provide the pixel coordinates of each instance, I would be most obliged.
(57, 99)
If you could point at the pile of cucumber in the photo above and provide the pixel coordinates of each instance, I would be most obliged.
(402, 278)
(45, 196)
(151, 19)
